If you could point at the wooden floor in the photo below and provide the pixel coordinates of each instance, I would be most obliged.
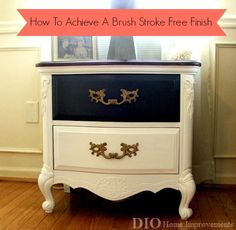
(20, 208)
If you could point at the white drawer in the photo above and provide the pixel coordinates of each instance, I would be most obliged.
(157, 149)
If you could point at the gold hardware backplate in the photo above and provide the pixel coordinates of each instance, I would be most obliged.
(127, 96)
(127, 150)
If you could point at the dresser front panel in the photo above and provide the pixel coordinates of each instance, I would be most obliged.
(157, 149)
(158, 97)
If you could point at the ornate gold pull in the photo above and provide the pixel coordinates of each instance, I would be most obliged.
(127, 150)
(128, 96)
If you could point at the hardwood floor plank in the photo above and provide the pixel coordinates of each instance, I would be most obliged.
(205, 209)
(22, 214)
(14, 199)
(38, 213)
(195, 218)
(101, 222)
(64, 220)
(19, 207)
(86, 211)
(82, 220)
(217, 207)
(8, 191)
(228, 205)
(50, 219)
(83, 214)
(84, 205)
(6, 184)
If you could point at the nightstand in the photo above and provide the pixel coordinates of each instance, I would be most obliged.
(118, 128)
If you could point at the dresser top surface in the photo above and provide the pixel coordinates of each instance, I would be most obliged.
(128, 63)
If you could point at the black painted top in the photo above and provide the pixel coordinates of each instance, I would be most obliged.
(92, 63)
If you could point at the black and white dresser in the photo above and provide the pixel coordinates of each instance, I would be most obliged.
(118, 128)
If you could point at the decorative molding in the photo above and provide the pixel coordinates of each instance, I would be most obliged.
(108, 186)
(46, 170)
(187, 189)
(20, 150)
(228, 22)
(189, 97)
(45, 87)
(186, 176)
(21, 163)
(11, 27)
(19, 169)
(45, 182)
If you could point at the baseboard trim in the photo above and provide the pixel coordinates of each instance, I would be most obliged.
(20, 163)
(20, 173)
(225, 156)
(225, 169)
(225, 179)
(19, 150)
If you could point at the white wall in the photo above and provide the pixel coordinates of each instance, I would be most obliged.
(20, 141)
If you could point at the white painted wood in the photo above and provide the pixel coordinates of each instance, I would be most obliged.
(117, 124)
(45, 182)
(158, 149)
(117, 186)
(120, 69)
(167, 146)
(10, 27)
(228, 22)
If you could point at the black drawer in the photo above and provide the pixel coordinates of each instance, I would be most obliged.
(156, 97)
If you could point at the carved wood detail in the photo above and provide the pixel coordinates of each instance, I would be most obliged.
(45, 87)
(189, 96)
(187, 189)
(45, 182)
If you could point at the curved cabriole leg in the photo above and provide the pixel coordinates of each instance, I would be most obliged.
(187, 189)
(45, 182)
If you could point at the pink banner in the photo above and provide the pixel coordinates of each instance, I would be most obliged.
(132, 22)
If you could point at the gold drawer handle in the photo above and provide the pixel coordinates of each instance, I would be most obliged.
(128, 96)
(127, 150)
